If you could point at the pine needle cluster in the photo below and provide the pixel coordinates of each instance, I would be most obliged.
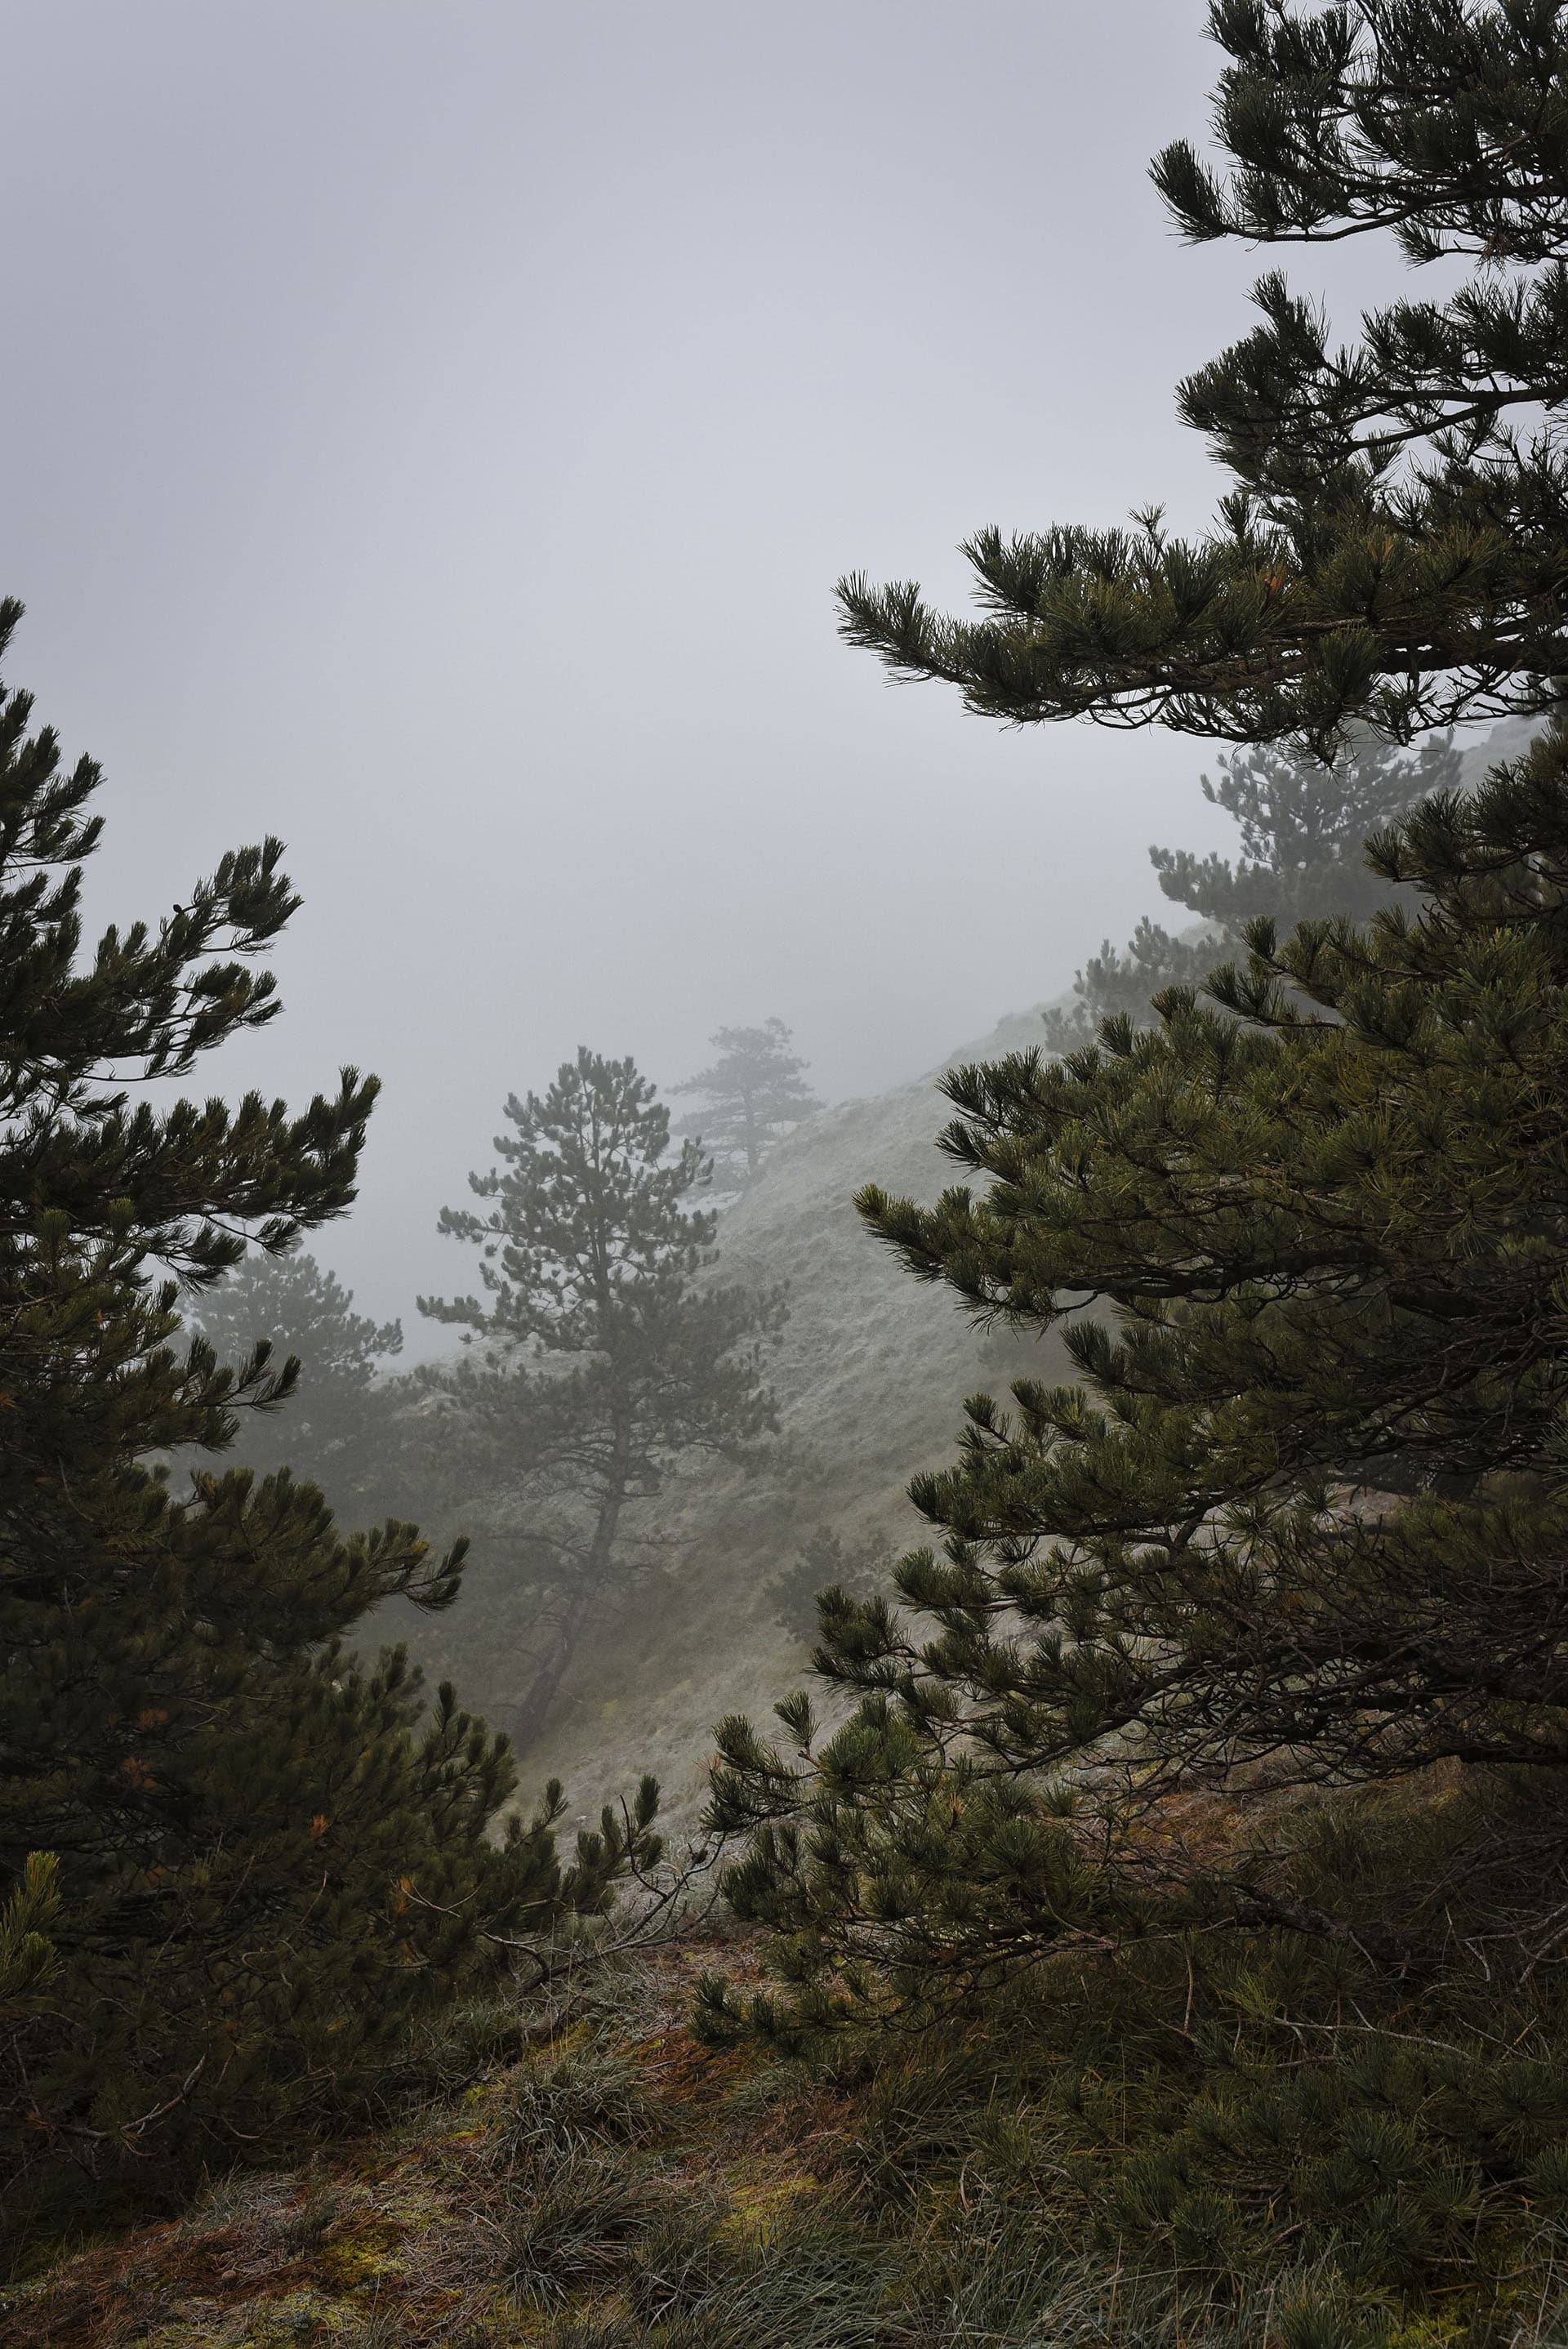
(1391, 545)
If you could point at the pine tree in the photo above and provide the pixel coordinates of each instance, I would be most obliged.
(1126, 985)
(336, 1431)
(1301, 1523)
(608, 1357)
(1304, 828)
(1306, 1513)
(243, 1861)
(1303, 831)
(1392, 546)
(754, 1095)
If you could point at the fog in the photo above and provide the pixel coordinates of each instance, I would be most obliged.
(433, 433)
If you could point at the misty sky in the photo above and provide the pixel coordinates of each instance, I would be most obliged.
(433, 431)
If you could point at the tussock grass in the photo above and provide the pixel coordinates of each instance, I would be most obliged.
(565, 2229)
(602, 2182)
(577, 2097)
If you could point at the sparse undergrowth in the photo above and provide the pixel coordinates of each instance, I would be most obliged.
(1123, 2154)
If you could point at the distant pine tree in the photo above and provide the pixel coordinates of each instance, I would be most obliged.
(608, 1355)
(243, 1861)
(1304, 828)
(1124, 985)
(754, 1095)
(335, 1429)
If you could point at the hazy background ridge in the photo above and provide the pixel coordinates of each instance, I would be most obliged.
(433, 435)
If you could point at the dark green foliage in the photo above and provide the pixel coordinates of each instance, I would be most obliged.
(754, 1095)
(1197, 1816)
(1222, 2118)
(1392, 545)
(1328, 116)
(1304, 829)
(1306, 1513)
(609, 1354)
(27, 1960)
(336, 1430)
(265, 1859)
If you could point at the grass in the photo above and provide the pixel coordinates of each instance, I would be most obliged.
(577, 2099)
(1124, 2157)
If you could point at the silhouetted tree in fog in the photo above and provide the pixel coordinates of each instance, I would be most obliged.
(335, 1429)
(754, 1095)
(1304, 828)
(607, 1356)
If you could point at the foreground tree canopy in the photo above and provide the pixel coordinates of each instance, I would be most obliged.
(1306, 1511)
(1395, 542)
(243, 1860)
(1303, 1524)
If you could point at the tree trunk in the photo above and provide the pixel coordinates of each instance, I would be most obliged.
(546, 1682)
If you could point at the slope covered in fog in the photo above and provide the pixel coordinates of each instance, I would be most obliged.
(870, 1381)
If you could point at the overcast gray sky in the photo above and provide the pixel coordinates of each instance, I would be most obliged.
(433, 429)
